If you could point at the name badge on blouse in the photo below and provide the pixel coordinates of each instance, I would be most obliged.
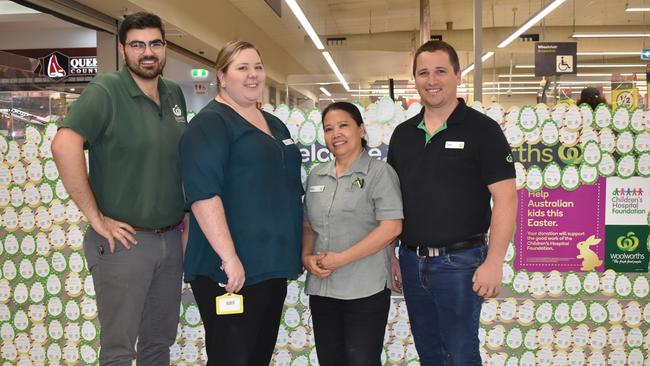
(230, 304)
(313, 189)
(288, 142)
(454, 144)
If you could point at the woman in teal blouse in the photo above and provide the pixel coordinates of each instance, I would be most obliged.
(241, 174)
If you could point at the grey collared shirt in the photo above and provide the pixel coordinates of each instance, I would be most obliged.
(343, 210)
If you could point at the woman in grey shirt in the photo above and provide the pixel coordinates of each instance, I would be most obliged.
(353, 212)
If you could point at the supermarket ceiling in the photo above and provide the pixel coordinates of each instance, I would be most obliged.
(381, 35)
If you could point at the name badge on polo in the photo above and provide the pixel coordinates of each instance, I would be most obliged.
(314, 189)
(288, 142)
(454, 144)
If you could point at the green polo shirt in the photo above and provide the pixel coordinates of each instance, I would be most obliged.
(428, 135)
(134, 166)
(342, 211)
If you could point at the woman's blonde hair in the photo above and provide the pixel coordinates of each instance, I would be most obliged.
(228, 53)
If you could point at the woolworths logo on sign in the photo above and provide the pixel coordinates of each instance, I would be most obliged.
(625, 250)
(627, 243)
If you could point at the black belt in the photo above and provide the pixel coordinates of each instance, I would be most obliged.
(157, 230)
(428, 251)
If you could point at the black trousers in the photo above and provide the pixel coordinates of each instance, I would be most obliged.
(350, 332)
(246, 339)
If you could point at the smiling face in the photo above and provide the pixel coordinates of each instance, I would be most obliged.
(244, 78)
(342, 134)
(435, 79)
(146, 63)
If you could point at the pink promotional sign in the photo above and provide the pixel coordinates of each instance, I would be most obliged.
(561, 230)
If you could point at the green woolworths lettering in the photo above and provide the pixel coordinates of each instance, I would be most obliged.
(570, 155)
(627, 243)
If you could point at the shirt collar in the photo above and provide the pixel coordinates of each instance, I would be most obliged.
(133, 88)
(361, 166)
(457, 116)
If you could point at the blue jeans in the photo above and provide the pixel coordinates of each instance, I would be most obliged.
(443, 309)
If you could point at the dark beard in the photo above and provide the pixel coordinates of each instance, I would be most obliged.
(134, 66)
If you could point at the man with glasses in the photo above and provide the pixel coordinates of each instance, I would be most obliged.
(131, 122)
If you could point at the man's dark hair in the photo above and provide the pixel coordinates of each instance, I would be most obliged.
(139, 20)
(433, 46)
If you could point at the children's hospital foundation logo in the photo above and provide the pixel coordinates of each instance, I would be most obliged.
(626, 200)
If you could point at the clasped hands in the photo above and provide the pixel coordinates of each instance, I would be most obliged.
(322, 264)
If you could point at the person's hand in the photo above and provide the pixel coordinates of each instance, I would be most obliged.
(396, 274)
(310, 261)
(234, 271)
(487, 279)
(112, 229)
(331, 260)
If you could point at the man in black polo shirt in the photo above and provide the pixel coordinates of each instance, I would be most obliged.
(450, 160)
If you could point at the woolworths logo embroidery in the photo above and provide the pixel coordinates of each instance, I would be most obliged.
(627, 243)
(177, 111)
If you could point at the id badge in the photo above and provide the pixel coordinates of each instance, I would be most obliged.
(229, 304)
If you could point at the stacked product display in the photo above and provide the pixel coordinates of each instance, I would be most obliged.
(547, 313)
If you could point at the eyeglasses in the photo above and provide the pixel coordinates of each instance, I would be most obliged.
(139, 46)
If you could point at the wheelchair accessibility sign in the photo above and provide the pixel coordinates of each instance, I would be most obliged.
(555, 58)
(564, 63)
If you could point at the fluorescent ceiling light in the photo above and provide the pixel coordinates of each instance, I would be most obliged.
(633, 53)
(511, 93)
(536, 18)
(639, 75)
(588, 66)
(534, 82)
(610, 65)
(598, 74)
(637, 8)
(517, 75)
(334, 68)
(610, 35)
(293, 5)
(484, 58)
(325, 91)
(586, 82)
(529, 88)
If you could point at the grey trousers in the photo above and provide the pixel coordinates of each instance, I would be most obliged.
(138, 296)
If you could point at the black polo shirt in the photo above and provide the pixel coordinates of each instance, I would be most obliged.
(445, 182)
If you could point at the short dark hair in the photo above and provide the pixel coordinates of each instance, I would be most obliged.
(139, 20)
(433, 46)
(591, 96)
(351, 109)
